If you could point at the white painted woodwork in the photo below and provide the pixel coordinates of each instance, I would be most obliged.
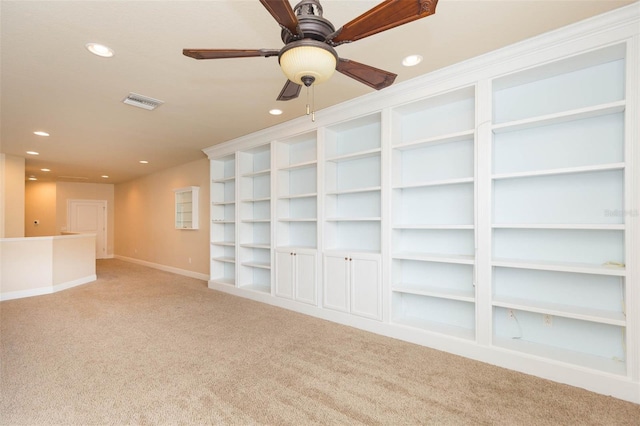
(489, 209)
(306, 271)
(89, 217)
(223, 220)
(285, 273)
(337, 277)
(352, 283)
(187, 205)
(365, 285)
(296, 275)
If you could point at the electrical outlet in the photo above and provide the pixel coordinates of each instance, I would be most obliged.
(189, 260)
(510, 314)
(547, 320)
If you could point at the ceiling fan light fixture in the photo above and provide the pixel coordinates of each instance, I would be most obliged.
(308, 58)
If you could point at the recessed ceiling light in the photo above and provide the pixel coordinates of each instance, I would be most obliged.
(33, 178)
(144, 162)
(45, 170)
(99, 49)
(41, 133)
(275, 111)
(33, 153)
(411, 60)
(104, 177)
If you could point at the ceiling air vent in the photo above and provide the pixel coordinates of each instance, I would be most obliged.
(141, 101)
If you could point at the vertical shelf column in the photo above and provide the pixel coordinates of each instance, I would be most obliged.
(433, 223)
(297, 218)
(254, 234)
(353, 215)
(559, 174)
(223, 220)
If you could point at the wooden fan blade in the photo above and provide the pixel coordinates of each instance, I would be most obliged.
(386, 15)
(290, 91)
(283, 13)
(372, 77)
(227, 53)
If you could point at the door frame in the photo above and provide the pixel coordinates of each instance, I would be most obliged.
(100, 203)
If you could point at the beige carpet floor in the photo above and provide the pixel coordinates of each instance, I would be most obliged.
(142, 346)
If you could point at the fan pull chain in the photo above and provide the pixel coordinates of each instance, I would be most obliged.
(313, 103)
(311, 107)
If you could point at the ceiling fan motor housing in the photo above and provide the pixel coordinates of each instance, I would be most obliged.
(312, 24)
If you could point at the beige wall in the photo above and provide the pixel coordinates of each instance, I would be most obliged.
(144, 219)
(2, 161)
(12, 194)
(86, 191)
(74, 258)
(47, 202)
(40, 205)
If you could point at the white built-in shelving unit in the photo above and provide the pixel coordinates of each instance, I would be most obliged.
(433, 223)
(489, 209)
(296, 235)
(223, 220)
(558, 196)
(186, 206)
(352, 244)
(254, 208)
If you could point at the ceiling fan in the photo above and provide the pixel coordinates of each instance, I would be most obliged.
(308, 55)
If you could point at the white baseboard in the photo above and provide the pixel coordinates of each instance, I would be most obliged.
(25, 293)
(184, 272)
(74, 283)
(46, 290)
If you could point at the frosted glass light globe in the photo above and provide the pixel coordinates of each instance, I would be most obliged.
(308, 61)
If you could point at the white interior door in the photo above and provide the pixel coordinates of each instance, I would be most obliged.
(89, 217)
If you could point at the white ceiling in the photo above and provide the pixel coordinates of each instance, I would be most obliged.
(50, 82)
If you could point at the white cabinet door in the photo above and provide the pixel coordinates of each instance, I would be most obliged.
(365, 286)
(305, 272)
(352, 283)
(89, 217)
(284, 273)
(336, 282)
